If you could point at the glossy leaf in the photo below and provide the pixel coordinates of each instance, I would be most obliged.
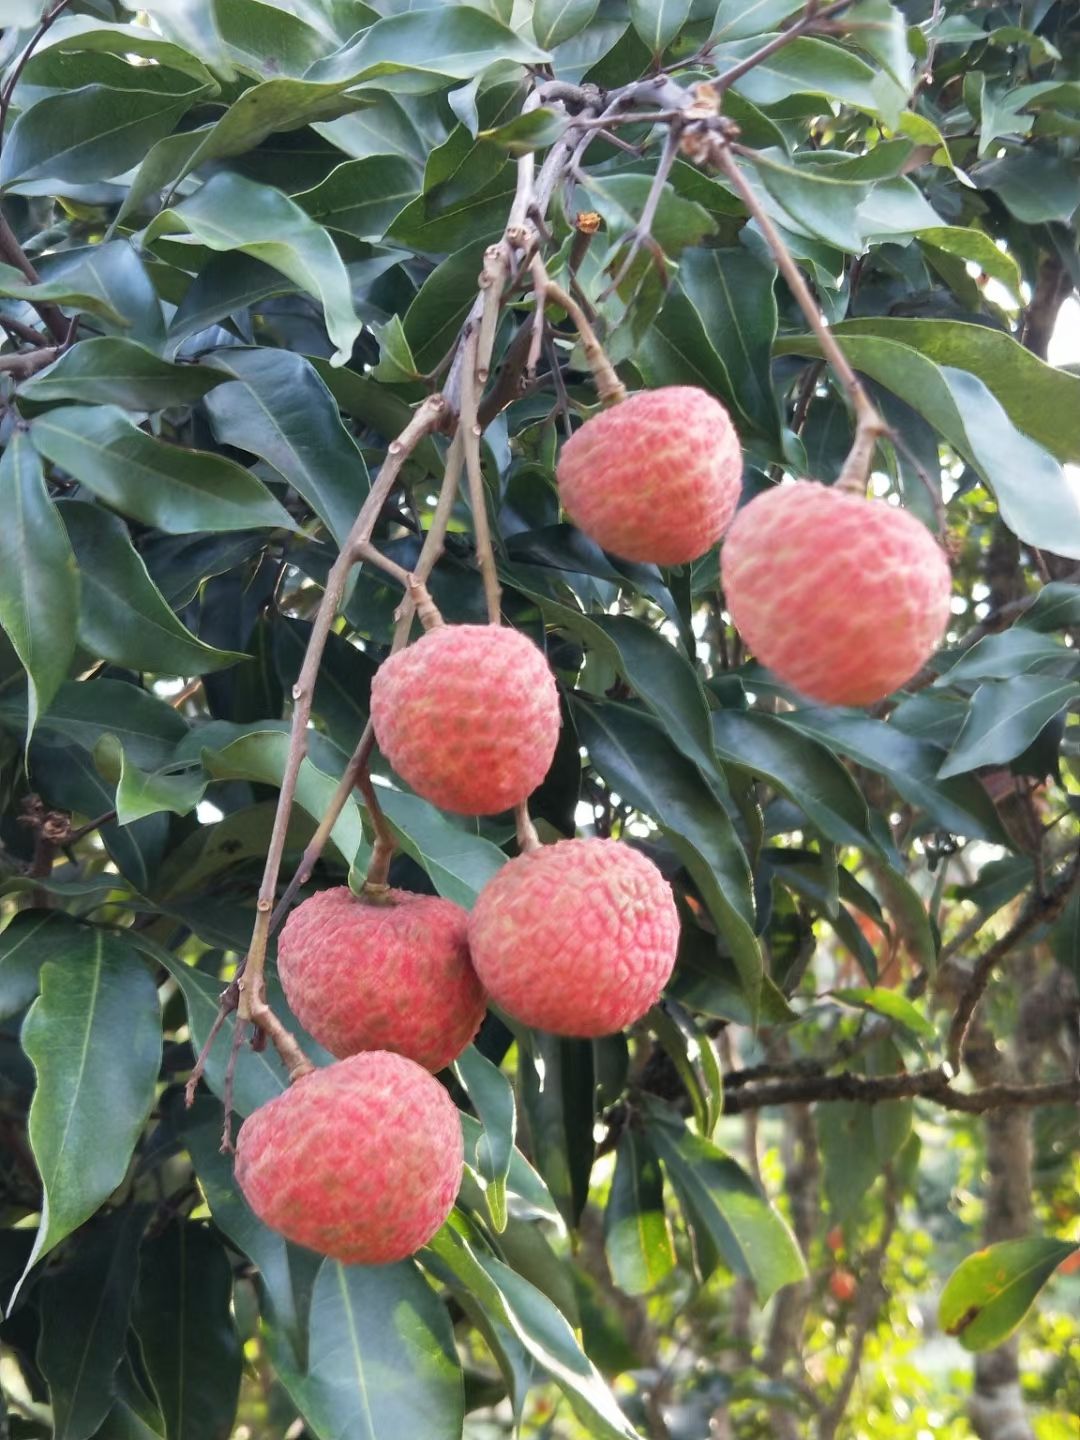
(29, 939)
(725, 1202)
(658, 21)
(187, 1336)
(39, 584)
(892, 1005)
(493, 1100)
(123, 617)
(557, 20)
(85, 1305)
(989, 1293)
(637, 1236)
(113, 371)
(277, 407)
(94, 1037)
(82, 712)
(1004, 718)
(362, 196)
(174, 489)
(381, 1357)
(231, 213)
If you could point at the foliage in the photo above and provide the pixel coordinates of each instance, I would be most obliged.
(241, 245)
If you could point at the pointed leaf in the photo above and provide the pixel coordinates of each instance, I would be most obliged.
(637, 1236)
(39, 583)
(1003, 719)
(988, 1294)
(109, 370)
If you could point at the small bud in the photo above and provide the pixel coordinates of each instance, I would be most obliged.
(588, 222)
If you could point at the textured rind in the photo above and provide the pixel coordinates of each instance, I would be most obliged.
(393, 976)
(576, 938)
(655, 479)
(360, 1161)
(468, 716)
(844, 599)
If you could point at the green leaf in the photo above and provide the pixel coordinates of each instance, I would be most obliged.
(14, 286)
(534, 130)
(116, 285)
(94, 1037)
(732, 292)
(187, 1335)
(988, 1294)
(881, 30)
(807, 772)
(621, 199)
(39, 582)
(1056, 606)
(83, 711)
(1015, 651)
(260, 755)
(737, 19)
(114, 371)
(361, 197)
(1040, 400)
(138, 793)
(557, 1085)
(806, 67)
(849, 1153)
(381, 1357)
(418, 50)
(84, 1321)
(1003, 719)
(458, 862)
(636, 758)
(722, 1199)
(163, 485)
(29, 939)
(510, 1303)
(658, 22)
(192, 24)
(277, 407)
(89, 134)
(123, 617)
(694, 1057)
(973, 245)
(1035, 185)
(230, 213)
(433, 319)
(637, 1236)
(492, 1098)
(960, 804)
(893, 1006)
(85, 33)
(557, 20)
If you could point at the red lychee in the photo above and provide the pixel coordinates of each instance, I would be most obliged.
(656, 478)
(468, 716)
(842, 1286)
(843, 598)
(360, 1161)
(576, 938)
(389, 976)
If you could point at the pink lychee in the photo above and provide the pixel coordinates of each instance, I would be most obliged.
(360, 1161)
(843, 598)
(468, 716)
(389, 976)
(655, 479)
(576, 938)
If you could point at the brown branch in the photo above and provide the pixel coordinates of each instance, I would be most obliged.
(23, 332)
(1039, 911)
(875, 1090)
(608, 385)
(471, 432)
(869, 425)
(28, 362)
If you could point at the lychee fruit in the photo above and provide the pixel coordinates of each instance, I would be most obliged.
(655, 479)
(843, 598)
(576, 938)
(360, 1161)
(468, 716)
(842, 1286)
(388, 976)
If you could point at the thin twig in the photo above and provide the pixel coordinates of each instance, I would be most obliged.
(811, 18)
(641, 235)
(470, 431)
(932, 1085)
(608, 385)
(23, 332)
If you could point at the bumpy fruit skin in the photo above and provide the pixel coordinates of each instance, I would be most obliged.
(468, 716)
(576, 938)
(842, 598)
(360, 1161)
(655, 479)
(388, 976)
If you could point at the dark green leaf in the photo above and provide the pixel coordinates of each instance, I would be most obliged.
(381, 1358)
(1056, 606)
(637, 1236)
(277, 407)
(658, 22)
(84, 1321)
(94, 1037)
(362, 197)
(738, 1220)
(1004, 717)
(123, 617)
(231, 213)
(556, 1086)
(1065, 938)
(493, 1100)
(113, 371)
(13, 285)
(694, 1057)
(557, 20)
(1015, 651)
(82, 712)
(29, 939)
(988, 1294)
(39, 584)
(186, 1331)
(173, 489)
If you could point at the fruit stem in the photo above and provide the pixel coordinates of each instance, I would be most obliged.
(608, 385)
(527, 838)
(869, 425)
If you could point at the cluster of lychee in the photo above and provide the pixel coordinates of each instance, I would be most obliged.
(843, 598)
